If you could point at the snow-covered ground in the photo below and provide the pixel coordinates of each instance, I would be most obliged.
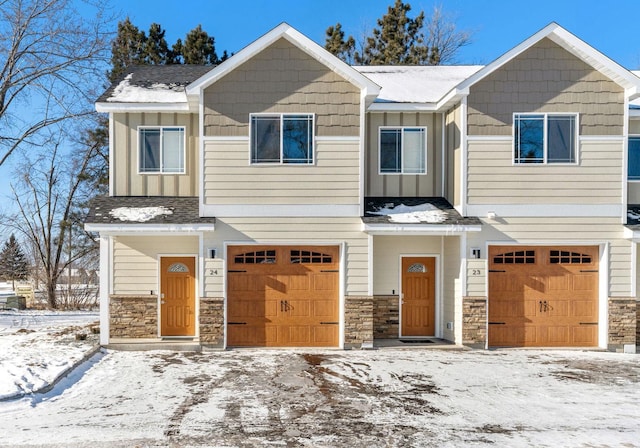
(328, 398)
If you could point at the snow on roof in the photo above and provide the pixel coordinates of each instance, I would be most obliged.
(416, 84)
(405, 214)
(126, 92)
(139, 214)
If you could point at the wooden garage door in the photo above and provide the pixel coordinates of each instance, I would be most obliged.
(283, 296)
(543, 296)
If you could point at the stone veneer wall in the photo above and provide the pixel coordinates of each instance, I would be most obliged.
(386, 317)
(474, 321)
(637, 326)
(133, 316)
(358, 321)
(212, 322)
(623, 318)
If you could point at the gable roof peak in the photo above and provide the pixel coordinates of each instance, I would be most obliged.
(296, 38)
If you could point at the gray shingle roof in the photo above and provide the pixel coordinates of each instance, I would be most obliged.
(177, 75)
(450, 215)
(184, 210)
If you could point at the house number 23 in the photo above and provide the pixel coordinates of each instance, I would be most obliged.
(475, 272)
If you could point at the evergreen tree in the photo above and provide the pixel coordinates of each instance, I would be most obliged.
(401, 40)
(156, 50)
(128, 48)
(337, 45)
(13, 262)
(199, 48)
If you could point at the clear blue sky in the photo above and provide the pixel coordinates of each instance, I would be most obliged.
(610, 26)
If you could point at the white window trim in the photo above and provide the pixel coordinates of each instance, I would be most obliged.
(629, 137)
(281, 116)
(402, 128)
(545, 116)
(184, 150)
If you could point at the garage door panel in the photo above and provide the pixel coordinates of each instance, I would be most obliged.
(288, 292)
(548, 298)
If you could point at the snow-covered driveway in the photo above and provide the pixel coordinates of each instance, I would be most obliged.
(323, 398)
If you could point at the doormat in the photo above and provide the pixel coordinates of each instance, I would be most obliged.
(416, 341)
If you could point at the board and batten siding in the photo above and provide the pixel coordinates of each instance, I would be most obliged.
(291, 231)
(135, 260)
(546, 78)
(492, 177)
(394, 185)
(283, 79)
(126, 179)
(557, 231)
(230, 178)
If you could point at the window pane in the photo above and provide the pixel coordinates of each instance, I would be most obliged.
(265, 139)
(529, 139)
(390, 150)
(634, 158)
(297, 138)
(414, 151)
(561, 139)
(149, 150)
(172, 150)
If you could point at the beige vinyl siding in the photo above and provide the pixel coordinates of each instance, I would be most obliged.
(386, 269)
(546, 78)
(127, 181)
(390, 185)
(282, 78)
(135, 260)
(229, 177)
(560, 231)
(492, 178)
(633, 192)
(454, 155)
(293, 231)
(634, 126)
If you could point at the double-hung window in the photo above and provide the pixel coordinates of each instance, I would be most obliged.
(633, 171)
(282, 138)
(161, 150)
(545, 138)
(403, 150)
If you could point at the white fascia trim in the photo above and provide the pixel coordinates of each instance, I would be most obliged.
(417, 229)
(225, 138)
(633, 235)
(278, 210)
(604, 138)
(337, 138)
(144, 107)
(403, 107)
(548, 210)
(160, 229)
(296, 38)
(489, 138)
(106, 268)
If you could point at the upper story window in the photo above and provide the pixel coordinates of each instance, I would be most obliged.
(403, 150)
(545, 138)
(282, 138)
(161, 150)
(633, 172)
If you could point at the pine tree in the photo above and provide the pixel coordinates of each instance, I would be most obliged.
(337, 45)
(156, 50)
(128, 48)
(13, 262)
(199, 48)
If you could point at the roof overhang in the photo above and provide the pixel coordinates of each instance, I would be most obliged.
(137, 229)
(571, 43)
(144, 107)
(285, 31)
(418, 229)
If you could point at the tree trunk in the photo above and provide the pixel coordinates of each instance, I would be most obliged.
(52, 300)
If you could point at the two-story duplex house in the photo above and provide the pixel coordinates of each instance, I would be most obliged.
(285, 198)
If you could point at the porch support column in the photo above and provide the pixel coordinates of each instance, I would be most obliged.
(105, 287)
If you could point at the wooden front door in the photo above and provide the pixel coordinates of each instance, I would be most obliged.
(283, 296)
(418, 300)
(177, 296)
(541, 296)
